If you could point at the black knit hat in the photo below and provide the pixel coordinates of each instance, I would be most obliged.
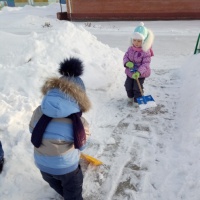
(71, 67)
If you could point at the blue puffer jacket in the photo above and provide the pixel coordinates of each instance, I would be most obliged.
(62, 97)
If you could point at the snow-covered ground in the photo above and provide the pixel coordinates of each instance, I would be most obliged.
(147, 155)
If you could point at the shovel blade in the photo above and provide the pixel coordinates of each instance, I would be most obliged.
(91, 159)
(145, 102)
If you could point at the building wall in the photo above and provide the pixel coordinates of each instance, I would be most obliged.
(133, 9)
(31, 2)
(10, 3)
(16, 3)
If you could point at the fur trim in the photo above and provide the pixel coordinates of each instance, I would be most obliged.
(71, 67)
(69, 88)
(148, 42)
(137, 36)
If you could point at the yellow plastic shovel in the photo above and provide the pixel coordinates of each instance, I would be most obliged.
(91, 160)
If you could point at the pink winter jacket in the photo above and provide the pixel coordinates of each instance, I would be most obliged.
(140, 59)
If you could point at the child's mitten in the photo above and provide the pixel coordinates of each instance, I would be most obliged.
(129, 64)
(136, 75)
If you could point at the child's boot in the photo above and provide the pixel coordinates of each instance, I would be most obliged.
(130, 100)
(135, 103)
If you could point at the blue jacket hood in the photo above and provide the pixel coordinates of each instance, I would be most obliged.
(63, 98)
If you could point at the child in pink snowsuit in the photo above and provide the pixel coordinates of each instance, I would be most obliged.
(137, 61)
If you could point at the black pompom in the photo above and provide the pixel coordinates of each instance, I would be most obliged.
(71, 67)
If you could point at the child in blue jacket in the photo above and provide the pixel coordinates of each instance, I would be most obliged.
(59, 132)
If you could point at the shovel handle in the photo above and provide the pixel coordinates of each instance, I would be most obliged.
(141, 91)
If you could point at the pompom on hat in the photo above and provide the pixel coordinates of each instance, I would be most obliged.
(144, 34)
(71, 69)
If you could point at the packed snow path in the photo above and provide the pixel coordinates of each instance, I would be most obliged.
(133, 148)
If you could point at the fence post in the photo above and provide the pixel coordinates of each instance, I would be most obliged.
(197, 48)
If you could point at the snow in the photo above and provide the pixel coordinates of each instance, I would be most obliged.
(147, 154)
